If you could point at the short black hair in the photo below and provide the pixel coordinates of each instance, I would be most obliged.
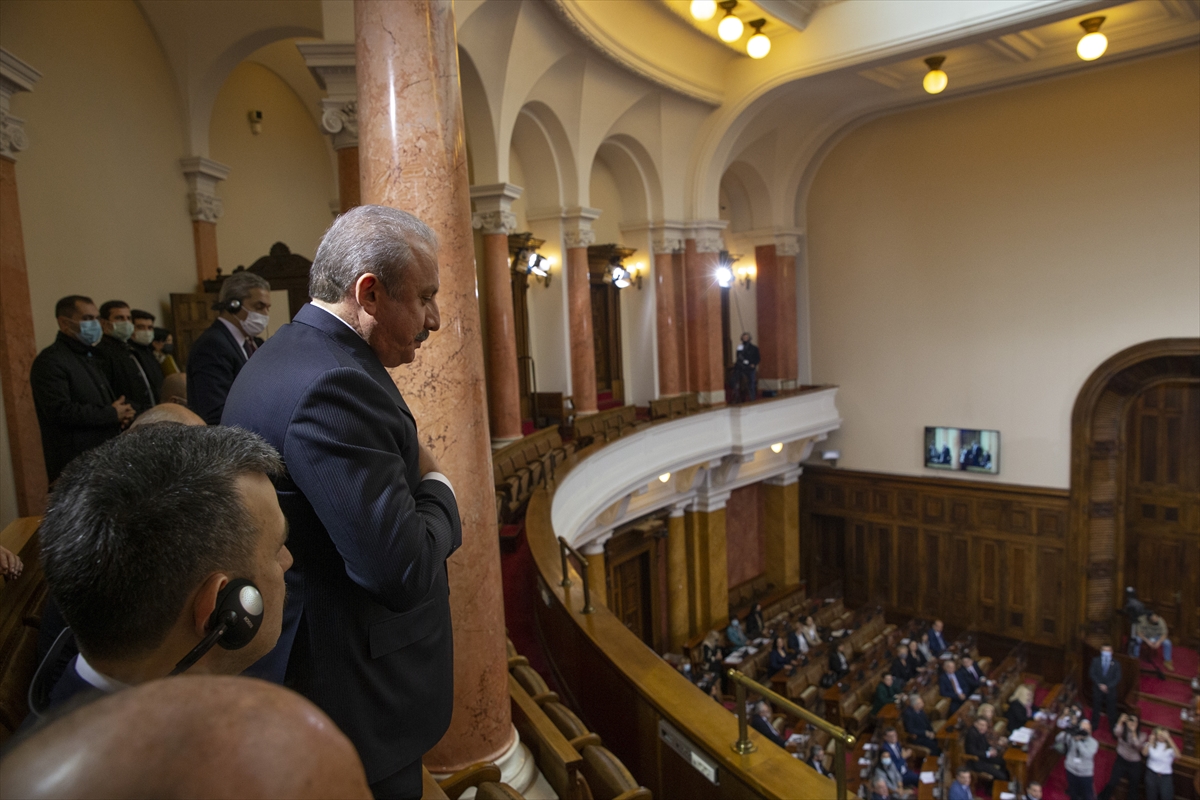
(69, 305)
(161, 334)
(108, 307)
(137, 314)
(135, 524)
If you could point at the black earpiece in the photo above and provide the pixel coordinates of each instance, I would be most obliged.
(234, 622)
(232, 306)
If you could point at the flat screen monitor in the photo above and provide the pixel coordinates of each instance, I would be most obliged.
(962, 449)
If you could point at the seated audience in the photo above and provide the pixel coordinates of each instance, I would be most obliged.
(879, 790)
(76, 407)
(899, 755)
(937, 640)
(810, 631)
(1151, 632)
(1033, 791)
(779, 658)
(187, 526)
(885, 692)
(921, 649)
(969, 675)
(1020, 707)
(10, 564)
(917, 725)
(217, 355)
(142, 343)
(904, 667)
(987, 758)
(961, 788)
(889, 772)
(754, 622)
(201, 736)
(164, 351)
(949, 686)
(797, 642)
(839, 665)
(734, 634)
(117, 359)
(816, 760)
(761, 722)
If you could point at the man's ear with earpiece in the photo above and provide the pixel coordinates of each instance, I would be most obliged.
(205, 601)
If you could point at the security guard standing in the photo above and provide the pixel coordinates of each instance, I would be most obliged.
(746, 363)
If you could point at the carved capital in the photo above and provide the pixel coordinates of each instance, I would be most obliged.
(12, 136)
(340, 120)
(15, 76)
(503, 222)
(708, 235)
(577, 226)
(787, 245)
(580, 237)
(203, 175)
(666, 242)
(204, 207)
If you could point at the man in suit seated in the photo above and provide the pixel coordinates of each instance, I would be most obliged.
(203, 736)
(885, 692)
(816, 760)
(879, 790)
(734, 633)
(797, 643)
(904, 666)
(217, 356)
(950, 686)
(1033, 791)
(918, 727)
(899, 755)
(152, 541)
(1105, 673)
(839, 665)
(937, 639)
(761, 722)
(889, 772)
(987, 758)
(969, 676)
(961, 788)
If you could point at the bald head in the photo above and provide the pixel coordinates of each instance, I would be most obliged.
(174, 388)
(188, 736)
(167, 412)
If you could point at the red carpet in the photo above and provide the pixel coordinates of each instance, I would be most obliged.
(519, 576)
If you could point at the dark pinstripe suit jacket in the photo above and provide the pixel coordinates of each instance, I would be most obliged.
(370, 539)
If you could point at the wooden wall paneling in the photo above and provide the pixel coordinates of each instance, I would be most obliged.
(931, 572)
(884, 577)
(961, 580)
(1020, 592)
(1050, 564)
(988, 560)
(857, 583)
(908, 568)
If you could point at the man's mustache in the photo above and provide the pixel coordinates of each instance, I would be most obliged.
(422, 336)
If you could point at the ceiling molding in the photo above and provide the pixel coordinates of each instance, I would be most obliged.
(796, 13)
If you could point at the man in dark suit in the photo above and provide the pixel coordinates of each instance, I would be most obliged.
(838, 664)
(1105, 673)
(217, 355)
(918, 727)
(117, 359)
(885, 692)
(761, 722)
(142, 344)
(900, 755)
(969, 675)
(746, 360)
(373, 520)
(76, 408)
(937, 639)
(950, 686)
(904, 667)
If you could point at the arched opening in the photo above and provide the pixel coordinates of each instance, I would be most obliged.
(1135, 471)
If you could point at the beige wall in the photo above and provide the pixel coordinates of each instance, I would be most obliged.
(279, 185)
(103, 201)
(971, 263)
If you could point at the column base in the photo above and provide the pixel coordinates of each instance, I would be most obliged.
(716, 398)
(518, 770)
(500, 442)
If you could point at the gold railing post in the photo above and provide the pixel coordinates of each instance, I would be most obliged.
(743, 745)
(839, 767)
(562, 552)
(566, 551)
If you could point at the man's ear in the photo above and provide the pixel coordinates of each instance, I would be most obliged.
(205, 601)
(367, 291)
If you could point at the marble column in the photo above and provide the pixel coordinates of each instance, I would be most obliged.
(666, 244)
(787, 248)
(708, 571)
(678, 630)
(495, 221)
(706, 365)
(332, 64)
(17, 345)
(203, 175)
(775, 294)
(781, 521)
(577, 235)
(413, 157)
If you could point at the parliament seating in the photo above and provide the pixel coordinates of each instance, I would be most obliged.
(607, 426)
(21, 603)
(522, 466)
(674, 407)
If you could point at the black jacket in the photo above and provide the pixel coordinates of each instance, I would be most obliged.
(1111, 678)
(73, 401)
(368, 604)
(123, 371)
(747, 356)
(903, 669)
(767, 729)
(838, 663)
(145, 356)
(1017, 716)
(214, 361)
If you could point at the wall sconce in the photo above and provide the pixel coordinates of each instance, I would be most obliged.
(935, 80)
(531, 263)
(1094, 43)
(746, 274)
(759, 45)
(730, 29)
(255, 118)
(623, 277)
(704, 9)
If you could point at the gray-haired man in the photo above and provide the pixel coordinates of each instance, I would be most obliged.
(218, 354)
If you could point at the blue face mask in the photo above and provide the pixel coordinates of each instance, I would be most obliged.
(90, 331)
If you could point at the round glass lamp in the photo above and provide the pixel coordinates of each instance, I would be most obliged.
(935, 80)
(730, 29)
(1094, 43)
(759, 45)
(704, 9)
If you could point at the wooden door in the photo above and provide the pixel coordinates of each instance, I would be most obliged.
(525, 365)
(192, 314)
(606, 335)
(1162, 508)
(632, 596)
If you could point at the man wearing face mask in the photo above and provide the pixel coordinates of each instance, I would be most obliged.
(117, 359)
(218, 355)
(76, 407)
(142, 344)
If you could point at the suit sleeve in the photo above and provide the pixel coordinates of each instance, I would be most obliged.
(52, 395)
(208, 384)
(394, 538)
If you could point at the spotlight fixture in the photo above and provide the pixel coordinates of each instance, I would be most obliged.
(666, 476)
(531, 263)
(777, 447)
(1094, 43)
(621, 278)
(759, 45)
(935, 80)
(731, 28)
(746, 274)
(724, 277)
(704, 9)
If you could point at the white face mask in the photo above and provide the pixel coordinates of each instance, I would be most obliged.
(122, 330)
(143, 337)
(254, 323)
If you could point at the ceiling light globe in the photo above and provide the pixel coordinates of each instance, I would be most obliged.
(1092, 46)
(777, 447)
(704, 9)
(758, 46)
(935, 81)
(730, 29)
(666, 476)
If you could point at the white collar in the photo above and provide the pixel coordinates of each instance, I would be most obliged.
(94, 678)
(238, 336)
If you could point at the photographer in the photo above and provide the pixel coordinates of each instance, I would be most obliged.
(1079, 746)
(1161, 752)
(1130, 742)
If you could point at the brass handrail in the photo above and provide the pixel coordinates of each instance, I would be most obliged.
(565, 551)
(841, 739)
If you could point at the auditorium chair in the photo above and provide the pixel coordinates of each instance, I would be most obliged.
(21, 601)
(570, 725)
(484, 778)
(532, 682)
(607, 777)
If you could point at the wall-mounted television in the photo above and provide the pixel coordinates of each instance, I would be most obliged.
(964, 449)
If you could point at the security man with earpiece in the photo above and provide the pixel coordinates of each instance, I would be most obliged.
(217, 356)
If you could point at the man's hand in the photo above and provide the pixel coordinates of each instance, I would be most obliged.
(426, 463)
(125, 412)
(1102, 687)
(10, 564)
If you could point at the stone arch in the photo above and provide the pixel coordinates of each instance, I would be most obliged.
(477, 118)
(541, 142)
(749, 198)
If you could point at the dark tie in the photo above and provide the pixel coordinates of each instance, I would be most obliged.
(250, 347)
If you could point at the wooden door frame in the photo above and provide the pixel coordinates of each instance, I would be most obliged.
(1098, 463)
(630, 544)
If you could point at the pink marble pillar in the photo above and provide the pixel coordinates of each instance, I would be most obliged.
(770, 310)
(785, 257)
(706, 366)
(503, 385)
(412, 155)
(579, 313)
(668, 325)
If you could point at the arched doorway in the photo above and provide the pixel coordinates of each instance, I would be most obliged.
(1128, 452)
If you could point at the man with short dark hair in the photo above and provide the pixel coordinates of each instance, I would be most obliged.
(761, 722)
(76, 406)
(917, 725)
(969, 675)
(173, 515)
(885, 692)
(142, 345)
(1105, 674)
(937, 638)
(373, 518)
(218, 354)
(121, 366)
(950, 686)
(899, 755)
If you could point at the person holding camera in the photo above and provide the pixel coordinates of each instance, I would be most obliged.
(1079, 746)
(1161, 752)
(1129, 764)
